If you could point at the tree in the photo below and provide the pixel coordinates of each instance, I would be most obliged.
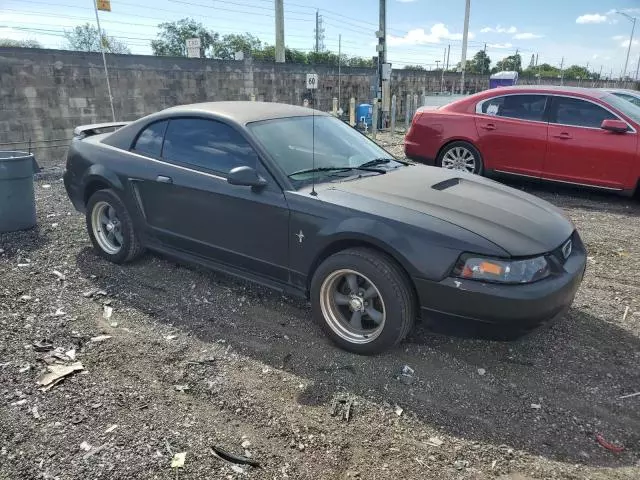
(480, 64)
(232, 43)
(359, 62)
(86, 38)
(7, 42)
(510, 63)
(544, 70)
(576, 71)
(172, 39)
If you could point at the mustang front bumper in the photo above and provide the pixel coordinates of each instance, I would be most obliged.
(521, 306)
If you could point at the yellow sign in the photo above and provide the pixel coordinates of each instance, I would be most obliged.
(104, 5)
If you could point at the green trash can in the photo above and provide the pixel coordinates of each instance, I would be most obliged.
(17, 200)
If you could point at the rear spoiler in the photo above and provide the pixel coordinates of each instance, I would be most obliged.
(95, 128)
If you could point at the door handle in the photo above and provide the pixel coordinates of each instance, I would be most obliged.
(163, 179)
(488, 126)
(563, 136)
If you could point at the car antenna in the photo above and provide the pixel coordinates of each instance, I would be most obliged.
(312, 84)
(313, 146)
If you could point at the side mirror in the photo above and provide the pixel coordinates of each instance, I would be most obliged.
(615, 126)
(245, 176)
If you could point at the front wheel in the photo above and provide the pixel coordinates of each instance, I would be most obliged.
(363, 301)
(461, 156)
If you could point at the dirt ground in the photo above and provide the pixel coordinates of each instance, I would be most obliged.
(195, 359)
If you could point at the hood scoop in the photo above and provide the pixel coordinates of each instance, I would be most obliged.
(451, 182)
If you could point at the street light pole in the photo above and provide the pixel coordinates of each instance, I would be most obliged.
(633, 27)
(465, 34)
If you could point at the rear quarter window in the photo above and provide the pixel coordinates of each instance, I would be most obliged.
(149, 142)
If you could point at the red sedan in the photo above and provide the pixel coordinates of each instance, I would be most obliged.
(571, 135)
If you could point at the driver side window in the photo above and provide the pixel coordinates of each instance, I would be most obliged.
(207, 145)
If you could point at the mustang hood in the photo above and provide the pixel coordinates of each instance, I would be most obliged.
(519, 223)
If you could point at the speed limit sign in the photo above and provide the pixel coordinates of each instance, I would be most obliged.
(312, 81)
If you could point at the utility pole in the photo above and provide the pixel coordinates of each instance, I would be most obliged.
(444, 59)
(382, 54)
(317, 49)
(438, 64)
(633, 27)
(483, 59)
(279, 31)
(637, 69)
(339, 70)
(465, 36)
(562, 72)
(104, 60)
(515, 59)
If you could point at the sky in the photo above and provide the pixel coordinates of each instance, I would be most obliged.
(584, 32)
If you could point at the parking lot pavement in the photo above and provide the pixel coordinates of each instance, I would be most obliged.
(196, 359)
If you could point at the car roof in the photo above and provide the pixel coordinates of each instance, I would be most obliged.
(589, 92)
(244, 112)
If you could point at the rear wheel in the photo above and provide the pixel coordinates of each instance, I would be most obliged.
(363, 301)
(110, 228)
(461, 156)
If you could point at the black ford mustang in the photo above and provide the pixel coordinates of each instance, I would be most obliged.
(303, 203)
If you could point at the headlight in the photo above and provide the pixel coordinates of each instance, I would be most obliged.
(501, 271)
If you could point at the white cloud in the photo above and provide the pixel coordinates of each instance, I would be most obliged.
(499, 29)
(591, 18)
(526, 36)
(618, 37)
(418, 36)
(625, 43)
(499, 45)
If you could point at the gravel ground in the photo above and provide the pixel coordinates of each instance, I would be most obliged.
(195, 359)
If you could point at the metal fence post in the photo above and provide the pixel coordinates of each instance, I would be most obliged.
(393, 114)
(352, 112)
(415, 105)
(407, 111)
(374, 118)
(424, 100)
(334, 107)
(253, 97)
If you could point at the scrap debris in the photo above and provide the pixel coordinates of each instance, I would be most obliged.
(609, 446)
(56, 373)
(100, 338)
(630, 395)
(178, 460)
(233, 458)
(342, 406)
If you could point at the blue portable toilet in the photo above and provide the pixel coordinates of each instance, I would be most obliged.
(364, 115)
(503, 79)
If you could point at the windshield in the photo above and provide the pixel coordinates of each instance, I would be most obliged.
(338, 148)
(629, 109)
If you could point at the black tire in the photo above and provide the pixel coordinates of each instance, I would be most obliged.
(390, 281)
(479, 164)
(130, 248)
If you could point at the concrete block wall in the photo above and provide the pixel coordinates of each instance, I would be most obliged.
(44, 93)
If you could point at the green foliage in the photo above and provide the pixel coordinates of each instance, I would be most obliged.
(413, 67)
(511, 63)
(172, 39)
(226, 48)
(85, 38)
(173, 36)
(7, 42)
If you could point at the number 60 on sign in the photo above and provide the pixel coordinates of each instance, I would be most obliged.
(312, 81)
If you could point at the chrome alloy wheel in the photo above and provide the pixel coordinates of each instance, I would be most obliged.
(459, 158)
(352, 306)
(107, 228)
